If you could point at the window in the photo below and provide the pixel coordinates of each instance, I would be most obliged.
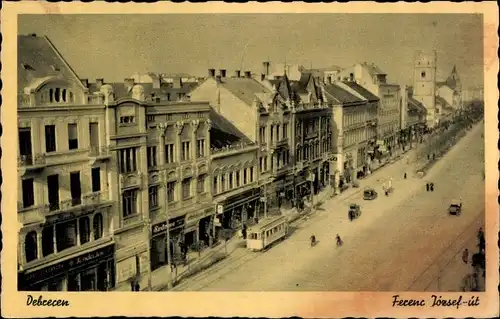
(127, 119)
(128, 160)
(28, 192)
(153, 196)
(75, 188)
(98, 226)
(50, 138)
(170, 191)
(231, 180)
(151, 154)
(48, 241)
(25, 143)
(129, 205)
(185, 151)
(272, 133)
(216, 189)
(96, 179)
(222, 182)
(200, 152)
(53, 191)
(186, 188)
(30, 246)
(285, 130)
(251, 174)
(265, 163)
(150, 118)
(94, 135)
(238, 177)
(422, 74)
(244, 176)
(72, 136)
(169, 153)
(84, 229)
(66, 235)
(200, 185)
(262, 134)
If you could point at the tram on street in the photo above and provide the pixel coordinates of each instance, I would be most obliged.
(267, 232)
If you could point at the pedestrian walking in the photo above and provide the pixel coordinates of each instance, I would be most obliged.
(428, 157)
(432, 187)
(405, 175)
(465, 256)
(427, 187)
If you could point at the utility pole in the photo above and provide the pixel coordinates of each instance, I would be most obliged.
(265, 200)
(167, 242)
(150, 237)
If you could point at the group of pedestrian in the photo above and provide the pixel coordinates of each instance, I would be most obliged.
(429, 187)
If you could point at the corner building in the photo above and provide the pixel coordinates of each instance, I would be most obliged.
(65, 193)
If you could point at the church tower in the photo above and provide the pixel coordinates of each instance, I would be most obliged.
(424, 83)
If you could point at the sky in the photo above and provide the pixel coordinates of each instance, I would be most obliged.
(114, 47)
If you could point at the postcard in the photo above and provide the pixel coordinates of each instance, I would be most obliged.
(255, 160)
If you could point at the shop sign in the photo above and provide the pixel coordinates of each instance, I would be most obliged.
(86, 259)
(220, 209)
(173, 224)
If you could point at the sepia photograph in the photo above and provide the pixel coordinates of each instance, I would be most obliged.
(251, 152)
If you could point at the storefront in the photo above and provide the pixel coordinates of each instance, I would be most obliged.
(198, 225)
(159, 254)
(239, 208)
(88, 271)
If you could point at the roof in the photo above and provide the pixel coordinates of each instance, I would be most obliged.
(223, 132)
(165, 92)
(416, 106)
(244, 88)
(362, 91)
(441, 101)
(38, 58)
(340, 95)
(373, 69)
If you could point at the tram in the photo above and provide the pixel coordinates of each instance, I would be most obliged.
(266, 232)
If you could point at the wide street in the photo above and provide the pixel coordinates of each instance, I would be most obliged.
(401, 242)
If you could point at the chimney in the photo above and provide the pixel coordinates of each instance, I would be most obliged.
(211, 72)
(266, 65)
(99, 83)
(85, 82)
(262, 77)
(129, 83)
(248, 74)
(222, 73)
(237, 73)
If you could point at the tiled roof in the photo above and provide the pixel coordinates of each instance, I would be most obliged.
(362, 91)
(223, 132)
(340, 95)
(121, 90)
(38, 58)
(244, 88)
(416, 106)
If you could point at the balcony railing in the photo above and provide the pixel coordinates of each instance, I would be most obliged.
(279, 143)
(131, 219)
(90, 199)
(131, 180)
(30, 160)
(278, 171)
(232, 148)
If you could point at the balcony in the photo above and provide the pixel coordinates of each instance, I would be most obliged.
(30, 215)
(87, 201)
(277, 172)
(233, 149)
(30, 163)
(96, 199)
(279, 143)
(131, 220)
(99, 153)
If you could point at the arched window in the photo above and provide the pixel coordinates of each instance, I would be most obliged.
(51, 95)
(64, 95)
(57, 95)
(84, 230)
(30, 246)
(71, 97)
(98, 226)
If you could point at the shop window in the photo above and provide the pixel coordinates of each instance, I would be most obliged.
(28, 192)
(55, 285)
(88, 280)
(30, 246)
(74, 282)
(98, 226)
(66, 235)
(48, 240)
(84, 230)
(129, 202)
(73, 136)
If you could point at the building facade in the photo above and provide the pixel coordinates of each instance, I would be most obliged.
(424, 83)
(65, 194)
(354, 128)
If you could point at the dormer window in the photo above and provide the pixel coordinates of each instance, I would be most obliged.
(56, 95)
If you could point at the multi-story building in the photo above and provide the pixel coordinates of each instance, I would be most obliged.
(424, 83)
(413, 117)
(162, 179)
(370, 77)
(65, 192)
(354, 128)
(234, 173)
(451, 89)
(246, 103)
